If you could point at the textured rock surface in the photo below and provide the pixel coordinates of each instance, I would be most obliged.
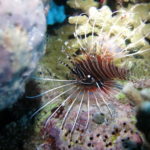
(46, 5)
(22, 38)
(146, 93)
(110, 135)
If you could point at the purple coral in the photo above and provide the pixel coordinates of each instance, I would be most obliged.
(113, 134)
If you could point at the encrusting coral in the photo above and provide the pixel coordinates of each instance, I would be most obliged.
(127, 28)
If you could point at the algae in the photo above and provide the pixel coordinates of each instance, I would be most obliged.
(55, 52)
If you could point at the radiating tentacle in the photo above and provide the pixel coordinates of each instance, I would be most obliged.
(107, 87)
(78, 113)
(97, 103)
(131, 33)
(111, 89)
(85, 34)
(49, 79)
(51, 101)
(69, 109)
(105, 22)
(93, 33)
(132, 44)
(88, 110)
(139, 52)
(39, 95)
(75, 34)
(111, 114)
(116, 21)
(110, 93)
(62, 104)
(104, 100)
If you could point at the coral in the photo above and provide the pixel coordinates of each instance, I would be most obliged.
(84, 5)
(107, 135)
(146, 93)
(126, 24)
(56, 13)
(22, 40)
(127, 28)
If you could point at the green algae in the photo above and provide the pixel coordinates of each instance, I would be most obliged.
(55, 51)
(121, 97)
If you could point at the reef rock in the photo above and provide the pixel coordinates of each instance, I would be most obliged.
(22, 38)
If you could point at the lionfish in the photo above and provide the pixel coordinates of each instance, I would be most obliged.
(87, 116)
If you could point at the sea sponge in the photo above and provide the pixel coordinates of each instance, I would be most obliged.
(22, 43)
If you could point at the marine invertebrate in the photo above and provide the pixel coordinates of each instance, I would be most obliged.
(85, 101)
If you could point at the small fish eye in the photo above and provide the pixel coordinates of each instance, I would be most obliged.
(88, 76)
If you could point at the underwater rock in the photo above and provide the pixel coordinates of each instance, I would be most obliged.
(114, 135)
(132, 93)
(46, 5)
(143, 121)
(22, 43)
(98, 118)
(146, 93)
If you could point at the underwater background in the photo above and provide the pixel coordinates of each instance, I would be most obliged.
(100, 48)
